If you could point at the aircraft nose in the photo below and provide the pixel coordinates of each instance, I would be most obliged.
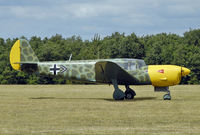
(185, 71)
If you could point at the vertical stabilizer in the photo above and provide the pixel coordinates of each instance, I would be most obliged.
(20, 53)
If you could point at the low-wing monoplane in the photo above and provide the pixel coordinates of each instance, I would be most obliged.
(120, 71)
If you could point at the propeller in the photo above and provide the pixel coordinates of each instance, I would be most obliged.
(181, 73)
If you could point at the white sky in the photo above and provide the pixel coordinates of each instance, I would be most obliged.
(85, 18)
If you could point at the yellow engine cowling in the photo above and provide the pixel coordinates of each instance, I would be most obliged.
(166, 75)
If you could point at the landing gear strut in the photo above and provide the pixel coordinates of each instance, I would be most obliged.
(167, 96)
(163, 89)
(129, 93)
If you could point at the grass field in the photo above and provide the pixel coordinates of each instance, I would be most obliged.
(90, 109)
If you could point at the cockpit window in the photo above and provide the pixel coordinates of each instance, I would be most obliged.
(132, 65)
(123, 65)
(128, 66)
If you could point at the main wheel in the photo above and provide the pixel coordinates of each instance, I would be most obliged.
(167, 97)
(129, 94)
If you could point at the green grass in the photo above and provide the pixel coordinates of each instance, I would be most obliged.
(90, 109)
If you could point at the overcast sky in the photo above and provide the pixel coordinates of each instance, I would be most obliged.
(85, 18)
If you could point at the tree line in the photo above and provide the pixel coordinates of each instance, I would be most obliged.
(154, 49)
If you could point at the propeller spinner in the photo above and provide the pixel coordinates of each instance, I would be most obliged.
(184, 71)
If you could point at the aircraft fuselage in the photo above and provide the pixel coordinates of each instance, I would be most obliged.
(97, 71)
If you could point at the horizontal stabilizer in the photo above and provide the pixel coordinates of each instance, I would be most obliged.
(29, 67)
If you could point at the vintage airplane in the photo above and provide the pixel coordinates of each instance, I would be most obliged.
(121, 71)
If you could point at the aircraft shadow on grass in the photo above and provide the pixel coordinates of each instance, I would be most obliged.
(106, 99)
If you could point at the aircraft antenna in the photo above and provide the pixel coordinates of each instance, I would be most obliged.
(98, 51)
(70, 57)
(96, 41)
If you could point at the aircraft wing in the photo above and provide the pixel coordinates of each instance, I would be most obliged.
(106, 71)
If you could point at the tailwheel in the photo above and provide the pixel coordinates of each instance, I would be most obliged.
(167, 97)
(129, 93)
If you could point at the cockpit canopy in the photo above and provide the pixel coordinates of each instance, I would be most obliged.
(131, 64)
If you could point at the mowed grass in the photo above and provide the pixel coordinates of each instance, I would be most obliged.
(90, 109)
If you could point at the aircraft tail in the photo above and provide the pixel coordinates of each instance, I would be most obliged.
(22, 53)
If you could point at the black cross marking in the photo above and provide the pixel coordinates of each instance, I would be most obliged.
(55, 69)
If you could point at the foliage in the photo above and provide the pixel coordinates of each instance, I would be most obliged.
(154, 49)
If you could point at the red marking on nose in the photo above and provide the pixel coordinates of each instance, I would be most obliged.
(161, 71)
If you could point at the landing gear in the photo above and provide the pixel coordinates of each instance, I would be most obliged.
(129, 93)
(164, 89)
(117, 94)
(167, 96)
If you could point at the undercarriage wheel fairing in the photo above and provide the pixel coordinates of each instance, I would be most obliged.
(167, 97)
(118, 94)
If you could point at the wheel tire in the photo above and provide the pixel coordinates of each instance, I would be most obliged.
(129, 94)
(167, 97)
